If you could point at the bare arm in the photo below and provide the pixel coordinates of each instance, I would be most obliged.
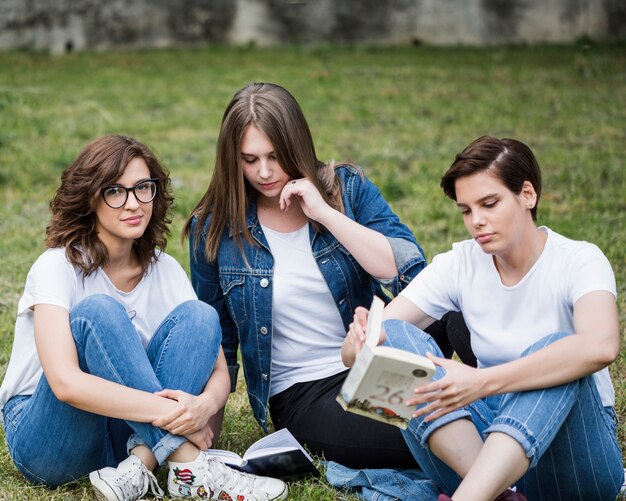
(59, 360)
(593, 346)
(403, 309)
(370, 248)
(400, 308)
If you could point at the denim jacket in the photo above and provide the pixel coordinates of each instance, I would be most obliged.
(242, 294)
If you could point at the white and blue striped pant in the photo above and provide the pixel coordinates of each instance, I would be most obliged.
(568, 435)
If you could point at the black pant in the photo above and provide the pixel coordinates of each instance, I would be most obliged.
(311, 413)
(452, 335)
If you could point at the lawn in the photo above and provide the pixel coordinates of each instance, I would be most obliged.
(401, 113)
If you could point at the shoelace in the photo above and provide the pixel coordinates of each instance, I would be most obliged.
(139, 481)
(226, 478)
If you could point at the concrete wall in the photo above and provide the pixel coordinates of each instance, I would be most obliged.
(66, 25)
(519, 21)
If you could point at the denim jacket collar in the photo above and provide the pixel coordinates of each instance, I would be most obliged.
(252, 222)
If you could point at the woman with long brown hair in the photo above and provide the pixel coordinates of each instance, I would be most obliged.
(284, 247)
(114, 359)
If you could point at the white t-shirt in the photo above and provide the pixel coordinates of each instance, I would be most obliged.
(53, 280)
(307, 327)
(503, 320)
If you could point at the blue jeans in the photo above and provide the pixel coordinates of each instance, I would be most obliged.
(569, 437)
(53, 443)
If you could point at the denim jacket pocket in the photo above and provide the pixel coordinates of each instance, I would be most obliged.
(233, 287)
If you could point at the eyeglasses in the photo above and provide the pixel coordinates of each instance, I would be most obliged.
(116, 196)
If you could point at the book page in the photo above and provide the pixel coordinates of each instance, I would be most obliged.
(268, 451)
(280, 463)
(382, 377)
(374, 322)
(228, 457)
(280, 439)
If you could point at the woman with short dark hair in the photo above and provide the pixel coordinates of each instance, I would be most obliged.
(538, 412)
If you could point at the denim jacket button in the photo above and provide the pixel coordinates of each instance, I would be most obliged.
(264, 376)
(264, 330)
(264, 282)
(401, 277)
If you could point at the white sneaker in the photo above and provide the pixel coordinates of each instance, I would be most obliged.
(128, 482)
(212, 479)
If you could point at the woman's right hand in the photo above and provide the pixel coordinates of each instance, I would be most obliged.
(311, 201)
(192, 415)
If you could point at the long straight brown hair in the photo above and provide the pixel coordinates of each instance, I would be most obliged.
(73, 221)
(275, 112)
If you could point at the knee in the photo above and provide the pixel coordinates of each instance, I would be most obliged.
(98, 310)
(202, 320)
(97, 305)
(543, 342)
(406, 336)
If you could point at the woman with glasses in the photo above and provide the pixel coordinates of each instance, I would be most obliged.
(114, 359)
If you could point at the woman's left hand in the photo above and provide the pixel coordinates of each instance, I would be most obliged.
(311, 201)
(193, 415)
(460, 386)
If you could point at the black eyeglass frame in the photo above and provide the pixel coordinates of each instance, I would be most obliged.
(127, 190)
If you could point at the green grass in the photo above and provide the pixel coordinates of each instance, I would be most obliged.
(402, 113)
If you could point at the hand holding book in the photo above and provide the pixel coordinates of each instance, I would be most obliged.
(460, 386)
(356, 336)
(382, 378)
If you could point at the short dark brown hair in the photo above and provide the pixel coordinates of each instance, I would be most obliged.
(511, 160)
(73, 221)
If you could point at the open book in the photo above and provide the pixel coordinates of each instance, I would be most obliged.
(277, 455)
(383, 378)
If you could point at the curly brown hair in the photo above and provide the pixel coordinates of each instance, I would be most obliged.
(73, 221)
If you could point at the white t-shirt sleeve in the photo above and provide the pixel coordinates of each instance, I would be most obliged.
(435, 289)
(176, 283)
(186, 289)
(590, 271)
(51, 280)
